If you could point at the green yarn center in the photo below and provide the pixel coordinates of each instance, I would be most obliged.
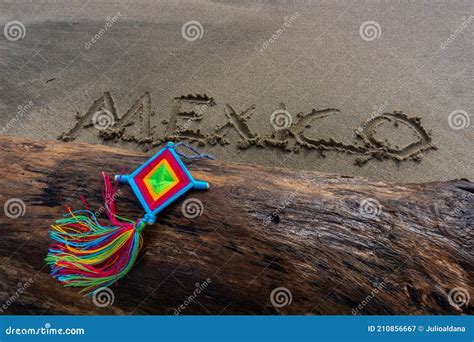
(161, 179)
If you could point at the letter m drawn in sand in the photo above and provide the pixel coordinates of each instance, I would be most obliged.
(118, 127)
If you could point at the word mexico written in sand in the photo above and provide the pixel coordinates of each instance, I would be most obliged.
(288, 133)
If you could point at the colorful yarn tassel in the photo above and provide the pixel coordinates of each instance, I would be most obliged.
(89, 255)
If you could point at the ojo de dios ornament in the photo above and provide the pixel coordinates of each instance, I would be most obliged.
(88, 254)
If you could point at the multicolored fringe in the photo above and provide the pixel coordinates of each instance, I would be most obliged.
(89, 255)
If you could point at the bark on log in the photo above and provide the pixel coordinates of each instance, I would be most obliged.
(261, 228)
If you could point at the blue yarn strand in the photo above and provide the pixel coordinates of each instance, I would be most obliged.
(196, 154)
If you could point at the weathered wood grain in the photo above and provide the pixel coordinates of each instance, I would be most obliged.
(261, 228)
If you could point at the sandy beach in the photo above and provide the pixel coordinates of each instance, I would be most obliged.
(252, 60)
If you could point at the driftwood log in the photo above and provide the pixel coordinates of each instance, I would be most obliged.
(338, 244)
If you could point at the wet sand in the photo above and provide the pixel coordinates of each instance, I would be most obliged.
(362, 66)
